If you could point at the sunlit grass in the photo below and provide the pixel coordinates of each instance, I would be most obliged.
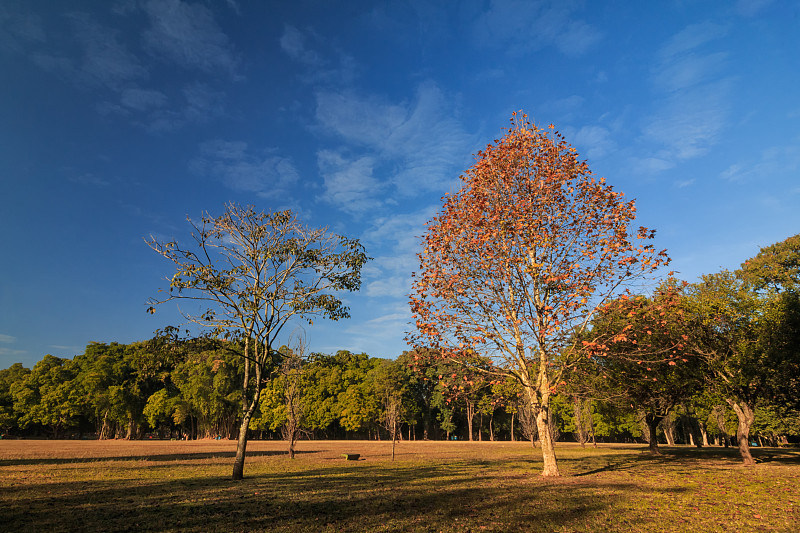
(432, 486)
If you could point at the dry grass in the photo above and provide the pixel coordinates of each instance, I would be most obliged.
(432, 486)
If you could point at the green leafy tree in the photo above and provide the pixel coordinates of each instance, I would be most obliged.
(749, 341)
(775, 267)
(160, 409)
(49, 396)
(16, 373)
(255, 272)
(359, 408)
(424, 367)
(637, 352)
(282, 406)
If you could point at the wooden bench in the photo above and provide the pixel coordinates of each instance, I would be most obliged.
(351, 456)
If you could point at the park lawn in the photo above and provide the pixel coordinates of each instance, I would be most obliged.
(431, 486)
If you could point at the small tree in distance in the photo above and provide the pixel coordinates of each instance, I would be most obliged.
(519, 259)
(252, 273)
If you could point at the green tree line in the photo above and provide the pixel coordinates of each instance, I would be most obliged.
(192, 389)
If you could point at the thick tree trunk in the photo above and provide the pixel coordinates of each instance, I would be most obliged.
(704, 433)
(546, 438)
(131, 434)
(652, 437)
(745, 415)
(669, 430)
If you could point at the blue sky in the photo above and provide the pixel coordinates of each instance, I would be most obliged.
(118, 119)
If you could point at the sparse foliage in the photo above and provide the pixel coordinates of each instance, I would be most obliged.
(253, 273)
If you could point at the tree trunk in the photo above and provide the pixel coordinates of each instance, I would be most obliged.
(669, 430)
(745, 415)
(291, 445)
(652, 426)
(580, 428)
(241, 444)
(104, 431)
(470, 417)
(546, 438)
(704, 433)
(697, 433)
(513, 439)
(719, 413)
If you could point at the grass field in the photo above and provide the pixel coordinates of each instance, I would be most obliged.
(432, 486)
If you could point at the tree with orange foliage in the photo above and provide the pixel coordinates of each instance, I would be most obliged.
(638, 353)
(520, 258)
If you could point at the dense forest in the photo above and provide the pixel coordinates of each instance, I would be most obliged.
(192, 389)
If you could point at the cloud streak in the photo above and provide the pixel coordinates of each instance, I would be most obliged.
(237, 167)
(187, 35)
(693, 103)
(417, 146)
(524, 26)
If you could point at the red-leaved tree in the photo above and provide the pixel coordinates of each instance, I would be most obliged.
(521, 257)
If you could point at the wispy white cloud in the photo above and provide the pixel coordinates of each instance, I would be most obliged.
(650, 165)
(104, 59)
(692, 101)
(688, 123)
(324, 65)
(420, 142)
(690, 38)
(372, 335)
(690, 70)
(96, 56)
(196, 103)
(750, 8)
(521, 26)
(773, 163)
(239, 168)
(188, 35)
(142, 99)
(9, 352)
(593, 142)
(349, 182)
(389, 274)
(19, 29)
(293, 42)
(6, 351)
(90, 179)
(202, 103)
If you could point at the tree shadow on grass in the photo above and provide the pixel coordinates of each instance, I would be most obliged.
(344, 497)
(681, 456)
(166, 457)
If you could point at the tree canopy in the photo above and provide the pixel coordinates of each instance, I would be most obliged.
(255, 272)
(520, 258)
